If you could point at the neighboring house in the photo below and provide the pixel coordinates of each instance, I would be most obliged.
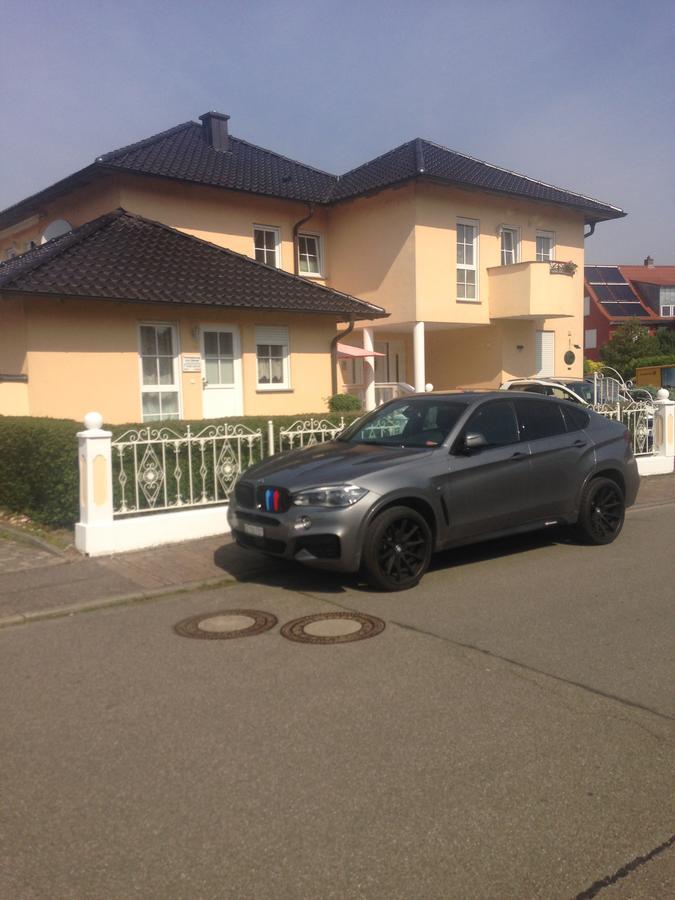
(479, 269)
(616, 294)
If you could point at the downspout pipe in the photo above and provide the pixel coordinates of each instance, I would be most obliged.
(588, 234)
(296, 228)
(333, 354)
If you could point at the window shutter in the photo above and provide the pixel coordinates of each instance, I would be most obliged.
(270, 334)
(544, 355)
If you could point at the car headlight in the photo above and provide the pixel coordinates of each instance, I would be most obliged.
(335, 495)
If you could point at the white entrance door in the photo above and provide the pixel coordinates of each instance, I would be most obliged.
(221, 372)
(544, 354)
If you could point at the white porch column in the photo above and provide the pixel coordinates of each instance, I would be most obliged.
(662, 460)
(368, 370)
(96, 501)
(418, 357)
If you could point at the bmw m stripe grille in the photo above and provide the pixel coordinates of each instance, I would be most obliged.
(273, 499)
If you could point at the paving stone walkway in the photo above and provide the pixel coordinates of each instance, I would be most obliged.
(16, 556)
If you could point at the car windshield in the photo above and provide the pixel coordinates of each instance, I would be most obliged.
(417, 422)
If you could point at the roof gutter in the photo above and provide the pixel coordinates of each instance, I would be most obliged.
(333, 354)
(296, 268)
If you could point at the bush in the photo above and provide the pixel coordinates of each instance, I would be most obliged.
(39, 475)
(344, 403)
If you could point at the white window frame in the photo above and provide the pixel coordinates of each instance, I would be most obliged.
(591, 339)
(475, 224)
(667, 306)
(319, 250)
(176, 387)
(515, 231)
(549, 235)
(270, 335)
(276, 231)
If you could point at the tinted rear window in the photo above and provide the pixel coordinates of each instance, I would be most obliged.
(575, 418)
(540, 419)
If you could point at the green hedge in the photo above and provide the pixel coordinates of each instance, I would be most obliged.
(38, 468)
(38, 458)
(665, 359)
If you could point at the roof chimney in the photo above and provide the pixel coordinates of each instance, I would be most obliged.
(649, 262)
(215, 130)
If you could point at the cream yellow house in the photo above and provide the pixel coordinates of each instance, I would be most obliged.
(479, 269)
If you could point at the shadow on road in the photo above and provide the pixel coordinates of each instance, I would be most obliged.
(250, 566)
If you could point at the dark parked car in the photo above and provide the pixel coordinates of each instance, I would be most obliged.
(432, 471)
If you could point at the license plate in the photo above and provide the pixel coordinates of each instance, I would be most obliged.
(255, 530)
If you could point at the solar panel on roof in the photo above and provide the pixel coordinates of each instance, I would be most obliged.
(592, 274)
(624, 293)
(603, 293)
(611, 273)
(623, 309)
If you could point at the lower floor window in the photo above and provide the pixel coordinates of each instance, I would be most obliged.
(159, 380)
(272, 358)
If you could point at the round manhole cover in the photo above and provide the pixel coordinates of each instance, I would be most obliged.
(332, 628)
(229, 623)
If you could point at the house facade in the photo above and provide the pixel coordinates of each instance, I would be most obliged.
(455, 272)
(616, 294)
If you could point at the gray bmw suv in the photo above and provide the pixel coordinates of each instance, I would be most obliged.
(428, 472)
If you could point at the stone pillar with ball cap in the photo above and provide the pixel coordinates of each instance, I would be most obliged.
(96, 498)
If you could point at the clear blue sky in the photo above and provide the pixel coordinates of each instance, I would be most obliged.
(580, 93)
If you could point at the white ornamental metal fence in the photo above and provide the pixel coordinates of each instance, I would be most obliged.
(306, 433)
(156, 468)
(638, 418)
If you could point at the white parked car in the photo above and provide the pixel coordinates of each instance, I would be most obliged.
(575, 390)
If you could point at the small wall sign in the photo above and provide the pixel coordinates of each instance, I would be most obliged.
(569, 357)
(192, 363)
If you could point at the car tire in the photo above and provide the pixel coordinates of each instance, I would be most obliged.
(397, 549)
(601, 512)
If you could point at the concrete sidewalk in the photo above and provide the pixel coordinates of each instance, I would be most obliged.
(37, 581)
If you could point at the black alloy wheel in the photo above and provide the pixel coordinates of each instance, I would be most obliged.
(397, 549)
(602, 511)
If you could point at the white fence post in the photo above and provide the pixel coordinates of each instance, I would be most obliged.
(663, 460)
(270, 437)
(96, 497)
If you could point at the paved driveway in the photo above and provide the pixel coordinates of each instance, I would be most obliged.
(507, 736)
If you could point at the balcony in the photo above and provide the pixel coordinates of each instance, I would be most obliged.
(534, 290)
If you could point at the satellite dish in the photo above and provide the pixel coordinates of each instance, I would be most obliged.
(55, 229)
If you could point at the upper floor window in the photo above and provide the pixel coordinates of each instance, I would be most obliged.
(267, 245)
(467, 259)
(545, 246)
(509, 245)
(309, 254)
(587, 305)
(667, 300)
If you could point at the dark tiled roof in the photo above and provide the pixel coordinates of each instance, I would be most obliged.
(120, 256)
(420, 158)
(184, 153)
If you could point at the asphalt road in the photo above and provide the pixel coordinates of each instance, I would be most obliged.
(508, 735)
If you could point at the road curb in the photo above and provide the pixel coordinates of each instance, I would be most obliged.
(118, 600)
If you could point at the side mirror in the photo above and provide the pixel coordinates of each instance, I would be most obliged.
(472, 440)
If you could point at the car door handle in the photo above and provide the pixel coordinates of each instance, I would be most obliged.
(579, 443)
(519, 454)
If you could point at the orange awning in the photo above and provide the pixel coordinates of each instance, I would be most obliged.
(346, 351)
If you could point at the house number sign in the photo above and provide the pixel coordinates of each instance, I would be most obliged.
(192, 363)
